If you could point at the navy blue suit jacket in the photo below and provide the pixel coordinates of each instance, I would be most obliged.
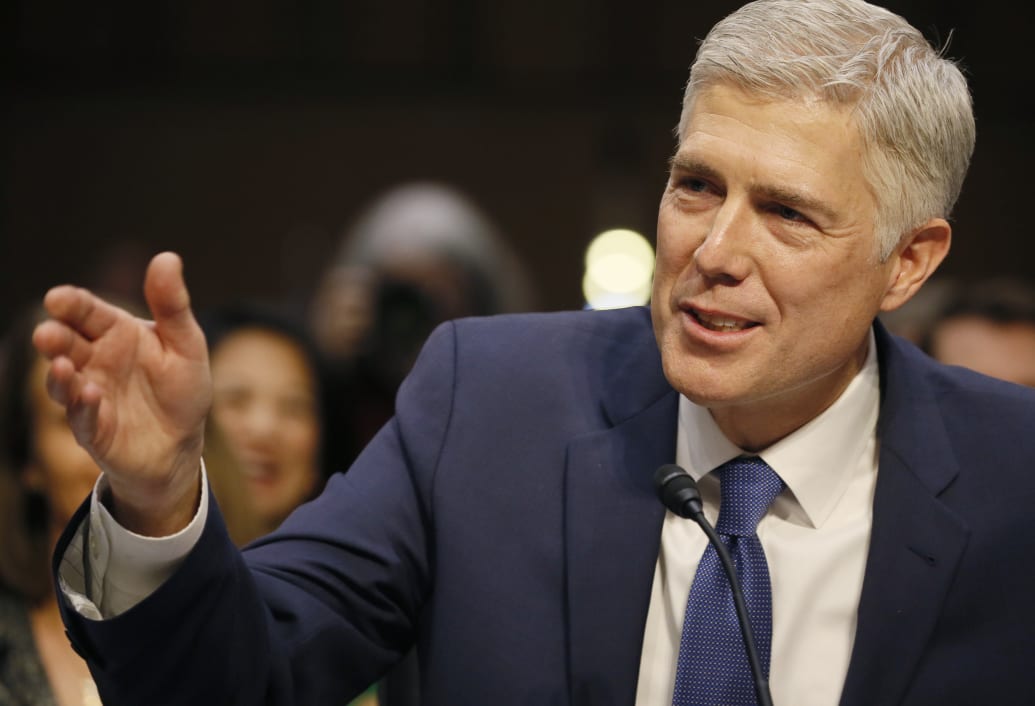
(506, 522)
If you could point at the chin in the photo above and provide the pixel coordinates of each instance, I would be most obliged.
(700, 387)
(713, 399)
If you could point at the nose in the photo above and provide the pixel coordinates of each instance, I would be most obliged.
(724, 254)
(261, 421)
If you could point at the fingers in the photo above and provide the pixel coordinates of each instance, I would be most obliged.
(80, 397)
(70, 388)
(89, 315)
(53, 338)
(169, 301)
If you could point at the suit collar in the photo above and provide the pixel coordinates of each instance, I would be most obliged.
(613, 524)
(916, 541)
(911, 425)
(632, 378)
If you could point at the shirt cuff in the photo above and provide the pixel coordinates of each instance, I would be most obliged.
(107, 569)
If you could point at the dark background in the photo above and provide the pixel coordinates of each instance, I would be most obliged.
(247, 134)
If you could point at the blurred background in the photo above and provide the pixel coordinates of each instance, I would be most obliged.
(250, 135)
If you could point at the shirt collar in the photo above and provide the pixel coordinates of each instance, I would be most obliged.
(816, 462)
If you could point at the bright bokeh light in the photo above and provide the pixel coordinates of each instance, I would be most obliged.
(619, 269)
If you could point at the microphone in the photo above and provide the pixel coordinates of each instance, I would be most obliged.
(678, 492)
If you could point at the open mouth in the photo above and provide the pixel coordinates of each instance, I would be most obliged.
(723, 324)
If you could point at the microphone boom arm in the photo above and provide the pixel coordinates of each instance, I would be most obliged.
(761, 683)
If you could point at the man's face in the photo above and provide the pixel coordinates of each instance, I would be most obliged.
(767, 278)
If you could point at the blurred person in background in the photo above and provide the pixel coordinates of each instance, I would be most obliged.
(420, 254)
(229, 487)
(267, 408)
(987, 326)
(44, 476)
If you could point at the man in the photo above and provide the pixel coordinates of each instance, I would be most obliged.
(506, 521)
(988, 326)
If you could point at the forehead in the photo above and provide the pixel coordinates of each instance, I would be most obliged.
(260, 353)
(800, 136)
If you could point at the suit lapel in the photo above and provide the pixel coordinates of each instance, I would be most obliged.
(916, 541)
(613, 529)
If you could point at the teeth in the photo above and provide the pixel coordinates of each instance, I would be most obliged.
(718, 323)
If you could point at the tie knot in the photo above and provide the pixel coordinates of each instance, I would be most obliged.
(748, 487)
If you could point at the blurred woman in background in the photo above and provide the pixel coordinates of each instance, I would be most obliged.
(44, 476)
(267, 408)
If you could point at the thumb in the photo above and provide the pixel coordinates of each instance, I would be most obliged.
(169, 302)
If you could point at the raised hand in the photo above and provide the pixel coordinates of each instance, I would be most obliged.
(136, 393)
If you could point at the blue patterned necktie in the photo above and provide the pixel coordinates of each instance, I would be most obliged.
(713, 668)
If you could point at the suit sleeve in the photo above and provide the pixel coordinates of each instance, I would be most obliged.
(314, 612)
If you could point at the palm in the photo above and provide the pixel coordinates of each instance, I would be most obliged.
(154, 397)
(136, 392)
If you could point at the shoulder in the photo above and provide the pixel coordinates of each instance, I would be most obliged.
(624, 327)
(979, 416)
(593, 343)
(954, 388)
(533, 365)
(539, 341)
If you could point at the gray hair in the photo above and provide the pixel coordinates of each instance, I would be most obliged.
(911, 105)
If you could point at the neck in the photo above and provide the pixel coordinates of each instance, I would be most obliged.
(757, 425)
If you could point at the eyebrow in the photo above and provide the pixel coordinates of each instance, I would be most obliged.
(694, 166)
(771, 192)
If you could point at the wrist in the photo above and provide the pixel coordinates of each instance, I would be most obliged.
(155, 509)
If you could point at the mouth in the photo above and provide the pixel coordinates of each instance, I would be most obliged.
(720, 322)
(259, 471)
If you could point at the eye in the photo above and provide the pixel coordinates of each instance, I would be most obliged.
(234, 398)
(693, 184)
(789, 214)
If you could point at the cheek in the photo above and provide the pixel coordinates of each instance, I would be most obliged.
(820, 285)
(678, 237)
(300, 439)
(300, 449)
(669, 261)
(232, 424)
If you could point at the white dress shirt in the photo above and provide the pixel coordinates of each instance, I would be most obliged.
(815, 535)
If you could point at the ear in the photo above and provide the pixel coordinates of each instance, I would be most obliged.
(914, 260)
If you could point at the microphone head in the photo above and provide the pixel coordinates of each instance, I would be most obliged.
(678, 491)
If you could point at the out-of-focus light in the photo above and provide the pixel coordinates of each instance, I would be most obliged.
(619, 269)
